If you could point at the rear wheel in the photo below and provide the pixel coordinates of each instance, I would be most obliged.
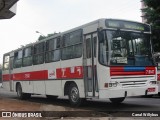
(74, 97)
(117, 100)
(22, 95)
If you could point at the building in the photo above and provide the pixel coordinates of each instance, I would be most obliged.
(7, 11)
(7, 8)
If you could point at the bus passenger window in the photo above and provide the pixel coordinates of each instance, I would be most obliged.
(18, 59)
(38, 54)
(52, 50)
(27, 56)
(88, 48)
(72, 45)
(6, 62)
(95, 45)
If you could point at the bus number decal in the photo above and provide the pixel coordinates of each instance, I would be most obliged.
(27, 76)
(150, 71)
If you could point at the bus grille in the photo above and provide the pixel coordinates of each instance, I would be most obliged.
(133, 83)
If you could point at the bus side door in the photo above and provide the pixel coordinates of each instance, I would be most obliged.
(90, 65)
(7, 72)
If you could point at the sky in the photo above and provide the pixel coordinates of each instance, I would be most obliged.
(49, 16)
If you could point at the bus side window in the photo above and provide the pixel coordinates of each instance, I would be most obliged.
(27, 56)
(38, 53)
(88, 48)
(6, 62)
(72, 45)
(18, 59)
(11, 62)
(95, 45)
(52, 50)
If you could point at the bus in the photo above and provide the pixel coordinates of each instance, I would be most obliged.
(106, 58)
(157, 60)
(0, 77)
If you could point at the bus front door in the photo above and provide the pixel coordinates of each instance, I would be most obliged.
(11, 74)
(90, 67)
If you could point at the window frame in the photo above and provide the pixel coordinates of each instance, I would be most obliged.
(72, 45)
(4, 62)
(38, 54)
(15, 58)
(31, 55)
(47, 50)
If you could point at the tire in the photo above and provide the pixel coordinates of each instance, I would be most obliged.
(117, 100)
(20, 94)
(73, 95)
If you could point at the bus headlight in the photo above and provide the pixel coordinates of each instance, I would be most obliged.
(109, 85)
(113, 84)
(153, 82)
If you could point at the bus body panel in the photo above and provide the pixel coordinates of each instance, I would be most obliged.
(126, 92)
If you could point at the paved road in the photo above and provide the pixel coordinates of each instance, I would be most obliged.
(135, 105)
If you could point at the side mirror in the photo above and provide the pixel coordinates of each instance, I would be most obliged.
(158, 66)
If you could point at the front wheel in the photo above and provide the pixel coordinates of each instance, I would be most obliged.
(117, 100)
(74, 97)
(22, 95)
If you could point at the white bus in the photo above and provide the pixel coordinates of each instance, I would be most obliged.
(157, 60)
(106, 58)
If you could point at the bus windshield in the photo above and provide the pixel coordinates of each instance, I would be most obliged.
(128, 48)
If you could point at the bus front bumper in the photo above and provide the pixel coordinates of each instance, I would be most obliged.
(126, 92)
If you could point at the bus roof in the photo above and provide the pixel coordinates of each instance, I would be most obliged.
(68, 31)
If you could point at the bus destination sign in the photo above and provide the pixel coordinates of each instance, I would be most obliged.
(127, 25)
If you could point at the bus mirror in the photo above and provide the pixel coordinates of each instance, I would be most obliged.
(158, 66)
(100, 35)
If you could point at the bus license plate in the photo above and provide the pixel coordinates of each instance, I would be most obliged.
(151, 89)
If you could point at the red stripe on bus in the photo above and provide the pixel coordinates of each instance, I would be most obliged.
(60, 73)
(70, 72)
(35, 75)
(117, 69)
(6, 77)
(126, 73)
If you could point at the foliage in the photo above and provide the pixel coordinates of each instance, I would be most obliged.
(41, 37)
(152, 14)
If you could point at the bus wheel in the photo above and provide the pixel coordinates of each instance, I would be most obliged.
(74, 98)
(117, 100)
(22, 95)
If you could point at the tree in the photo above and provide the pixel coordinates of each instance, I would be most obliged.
(152, 14)
(41, 37)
